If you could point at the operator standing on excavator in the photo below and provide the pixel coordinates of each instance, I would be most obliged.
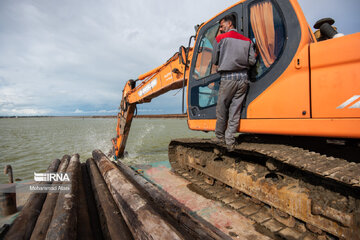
(233, 54)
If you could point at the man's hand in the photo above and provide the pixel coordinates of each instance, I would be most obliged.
(211, 85)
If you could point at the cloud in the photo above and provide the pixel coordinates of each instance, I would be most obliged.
(103, 111)
(24, 112)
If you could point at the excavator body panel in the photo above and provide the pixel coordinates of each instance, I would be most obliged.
(335, 78)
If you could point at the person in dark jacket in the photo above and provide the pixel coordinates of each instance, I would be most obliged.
(233, 54)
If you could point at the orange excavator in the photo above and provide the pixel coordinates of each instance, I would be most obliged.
(298, 153)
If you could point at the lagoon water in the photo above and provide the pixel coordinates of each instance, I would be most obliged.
(30, 144)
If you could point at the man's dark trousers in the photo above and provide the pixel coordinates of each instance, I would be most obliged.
(232, 93)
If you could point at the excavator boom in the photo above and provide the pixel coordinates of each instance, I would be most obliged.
(169, 76)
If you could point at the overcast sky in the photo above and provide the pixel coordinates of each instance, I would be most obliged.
(66, 57)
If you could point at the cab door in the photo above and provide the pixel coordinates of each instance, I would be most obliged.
(279, 86)
(203, 85)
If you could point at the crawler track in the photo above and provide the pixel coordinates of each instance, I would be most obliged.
(308, 186)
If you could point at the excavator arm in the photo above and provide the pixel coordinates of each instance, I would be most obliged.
(171, 75)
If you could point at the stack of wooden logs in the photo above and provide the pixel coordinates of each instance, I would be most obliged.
(106, 201)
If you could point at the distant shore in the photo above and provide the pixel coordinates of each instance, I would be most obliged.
(107, 116)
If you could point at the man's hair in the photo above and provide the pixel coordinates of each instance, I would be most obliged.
(230, 18)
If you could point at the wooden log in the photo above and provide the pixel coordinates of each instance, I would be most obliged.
(25, 222)
(196, 227)
(64, 221)
(90, 200)
(142, 219)
(84, 230)
(44, 219)
(112, 223)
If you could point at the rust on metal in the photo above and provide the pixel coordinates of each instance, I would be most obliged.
(8, 170)
(8, 197)
(7, 200)
(270, 181)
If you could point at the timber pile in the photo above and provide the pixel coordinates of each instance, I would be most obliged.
(106, 201)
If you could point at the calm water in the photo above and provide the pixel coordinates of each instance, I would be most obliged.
(29, 144)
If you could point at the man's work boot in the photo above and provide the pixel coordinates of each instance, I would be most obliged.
(218, 140)
(230, 147)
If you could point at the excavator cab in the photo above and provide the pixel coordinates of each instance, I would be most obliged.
(276, 40)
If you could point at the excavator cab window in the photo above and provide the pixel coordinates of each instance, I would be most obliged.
(204, 95)
(267, 31)
(204, 67)
(204, 80)
(208, 94)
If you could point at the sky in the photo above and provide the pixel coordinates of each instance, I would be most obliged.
(65, 57)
